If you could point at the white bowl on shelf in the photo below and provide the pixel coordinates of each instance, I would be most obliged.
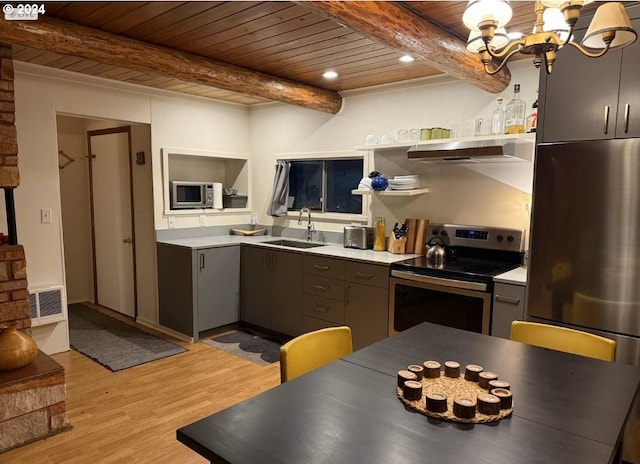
(406, 177)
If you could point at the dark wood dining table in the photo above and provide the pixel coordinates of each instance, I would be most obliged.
(567, 408)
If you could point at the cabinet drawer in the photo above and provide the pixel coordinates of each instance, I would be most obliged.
(509, 293)
(324, 267)
(321, 286)
(323, 308)
(309, 324)
(368, 274)
(508, 306)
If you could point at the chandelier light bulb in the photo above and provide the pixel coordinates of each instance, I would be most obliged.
(554, 21)
(475, 42)
(478, 11)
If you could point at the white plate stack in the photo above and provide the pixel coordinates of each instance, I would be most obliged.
(408, 182)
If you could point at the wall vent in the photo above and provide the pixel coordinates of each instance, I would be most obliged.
(46, 305)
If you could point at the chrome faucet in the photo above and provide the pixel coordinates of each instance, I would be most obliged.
(310, 227)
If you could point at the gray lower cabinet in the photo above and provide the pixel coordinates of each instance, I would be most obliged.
(218, 287)
(508, 306)
(340, 292)
(256, 287)
(198, 289)
(367, 303)
(272, 289)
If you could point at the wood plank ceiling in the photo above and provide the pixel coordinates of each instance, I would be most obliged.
(278, 38)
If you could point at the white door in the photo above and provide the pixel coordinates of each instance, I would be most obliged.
(113, 231)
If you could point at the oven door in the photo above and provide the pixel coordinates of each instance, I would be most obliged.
(414, 299)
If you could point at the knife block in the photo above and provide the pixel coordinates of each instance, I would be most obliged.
(396, 245)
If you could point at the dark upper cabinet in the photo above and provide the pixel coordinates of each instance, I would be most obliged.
(585, 98)
(628, 118)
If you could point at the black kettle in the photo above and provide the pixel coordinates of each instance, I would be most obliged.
(435, 251)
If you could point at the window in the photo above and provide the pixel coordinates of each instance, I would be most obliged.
(325, 185)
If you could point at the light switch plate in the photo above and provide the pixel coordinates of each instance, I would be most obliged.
(45, 215)
(203, 220)
(171, 222)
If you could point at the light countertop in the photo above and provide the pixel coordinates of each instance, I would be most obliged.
(334, 250)
(517, 276)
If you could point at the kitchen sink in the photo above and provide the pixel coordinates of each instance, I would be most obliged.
(294, 244)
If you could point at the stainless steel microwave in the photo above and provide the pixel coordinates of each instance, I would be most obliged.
(185, 194)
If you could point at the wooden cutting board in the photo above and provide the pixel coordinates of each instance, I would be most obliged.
(248, 232)
(412, 224)
(421, 235)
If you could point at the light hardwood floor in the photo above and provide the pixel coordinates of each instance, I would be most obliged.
(131, 416)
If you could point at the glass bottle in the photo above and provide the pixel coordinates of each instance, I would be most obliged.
(532, 119)
(379, 231)
(515, 113)
(497, 120)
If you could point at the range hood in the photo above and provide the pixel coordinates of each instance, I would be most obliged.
(476, 150)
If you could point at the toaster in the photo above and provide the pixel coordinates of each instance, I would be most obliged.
(360, 237)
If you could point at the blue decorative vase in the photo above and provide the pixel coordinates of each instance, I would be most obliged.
(379, 183)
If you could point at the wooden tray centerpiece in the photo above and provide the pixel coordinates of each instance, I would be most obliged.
(473, 397)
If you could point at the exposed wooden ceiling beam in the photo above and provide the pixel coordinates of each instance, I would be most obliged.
(71, 39)
(397, 27)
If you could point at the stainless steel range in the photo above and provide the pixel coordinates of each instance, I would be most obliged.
(457, 291)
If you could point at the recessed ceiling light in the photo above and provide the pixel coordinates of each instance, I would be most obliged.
(330, 75)
(406, 58)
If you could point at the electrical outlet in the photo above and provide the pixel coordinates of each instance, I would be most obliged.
(203, 220)
(254, 219)
(171, 222)
(45, 215)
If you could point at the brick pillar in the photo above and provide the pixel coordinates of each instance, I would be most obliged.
(9, 175)
(14, 297)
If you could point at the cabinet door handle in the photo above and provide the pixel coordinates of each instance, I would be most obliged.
(606, 119)
(626, 117)
(321, 309)
(348, 294)
(201, 261)
(320, 268)
(265, 261)
(274, 261)
(507, 299)
(322, 288)
(361, 275)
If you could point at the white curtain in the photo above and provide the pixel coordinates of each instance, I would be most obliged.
(278, 204)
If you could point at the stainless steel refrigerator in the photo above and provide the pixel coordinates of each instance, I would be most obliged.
(584, 266)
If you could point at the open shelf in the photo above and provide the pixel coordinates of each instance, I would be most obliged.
(392, 193)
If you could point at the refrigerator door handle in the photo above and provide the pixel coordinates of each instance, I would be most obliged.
(606, 119)
(626, 118)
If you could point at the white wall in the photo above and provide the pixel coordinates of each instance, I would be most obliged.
(457, 193)
(75, 209)
(196, 125)
(144, 227)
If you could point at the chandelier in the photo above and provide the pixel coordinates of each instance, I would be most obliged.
(610, 28)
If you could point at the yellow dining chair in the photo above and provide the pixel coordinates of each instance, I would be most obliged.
(564, 339)
(312, 350)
